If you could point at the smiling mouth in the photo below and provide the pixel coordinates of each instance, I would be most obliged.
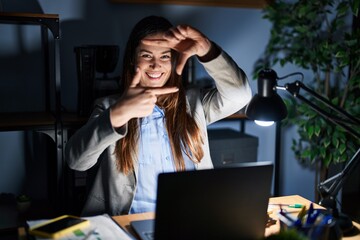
(154, 75)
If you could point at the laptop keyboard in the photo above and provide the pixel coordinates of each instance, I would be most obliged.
(150, 235)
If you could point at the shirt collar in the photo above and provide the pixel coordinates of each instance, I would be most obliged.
(157, 112)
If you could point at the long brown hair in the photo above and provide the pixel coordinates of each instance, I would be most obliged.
(184, 133)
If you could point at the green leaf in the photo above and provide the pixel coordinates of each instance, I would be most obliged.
(328, 159)
(355, 7)
(323, 152)
(340, 54)
(310, 131)
(326, 143)
(335, 142)
(317, 130)
(342, 8)
(351, 43)
(342, 148)
(306, 153)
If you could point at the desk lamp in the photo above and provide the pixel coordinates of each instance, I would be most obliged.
(267, 106)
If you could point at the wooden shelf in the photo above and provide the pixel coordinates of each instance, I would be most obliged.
(51, 21)
(216, 3)
(35, 120)
(26, 120)
(48, 121)
(33, 16)
(73, 120)
(237, 116)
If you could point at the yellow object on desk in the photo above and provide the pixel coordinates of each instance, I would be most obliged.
(59, 226)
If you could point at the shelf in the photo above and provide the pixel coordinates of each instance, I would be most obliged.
(217, 3)
(51, 21)
(48, 121)
(26, 121)
(73, 120)
(236, 116)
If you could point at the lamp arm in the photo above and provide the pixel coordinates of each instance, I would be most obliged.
(294, 89)
(331, 186)
(336, 181)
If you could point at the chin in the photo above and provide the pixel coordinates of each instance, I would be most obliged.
(155, 83)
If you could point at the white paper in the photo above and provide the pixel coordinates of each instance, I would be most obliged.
(101, 227)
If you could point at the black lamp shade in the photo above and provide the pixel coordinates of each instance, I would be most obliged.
(267, 105)
(266, 108)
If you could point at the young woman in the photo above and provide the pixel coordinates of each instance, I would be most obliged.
(154, 125)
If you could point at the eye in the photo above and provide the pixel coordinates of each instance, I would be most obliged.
(166, 57)
(146, 56)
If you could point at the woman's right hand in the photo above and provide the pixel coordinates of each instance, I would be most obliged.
(136, 102)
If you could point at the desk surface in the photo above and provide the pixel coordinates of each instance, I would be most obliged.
(125, 220)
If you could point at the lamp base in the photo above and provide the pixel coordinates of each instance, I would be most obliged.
(343, 221)
(345, 224)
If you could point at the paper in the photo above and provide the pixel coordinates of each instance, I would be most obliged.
(101, 227)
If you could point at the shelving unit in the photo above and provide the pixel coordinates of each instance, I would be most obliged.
(48, 121)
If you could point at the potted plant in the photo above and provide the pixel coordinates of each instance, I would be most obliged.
(23, 203)
(323, 37)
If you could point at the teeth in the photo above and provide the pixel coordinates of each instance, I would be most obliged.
(154, 75)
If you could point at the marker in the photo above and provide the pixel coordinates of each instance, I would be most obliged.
(296, 205)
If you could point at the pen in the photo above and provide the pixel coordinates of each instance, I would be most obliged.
(309, 214)
(286, 219)
(312, 219)
(302, 213)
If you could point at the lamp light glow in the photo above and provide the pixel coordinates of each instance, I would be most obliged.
(264, 123)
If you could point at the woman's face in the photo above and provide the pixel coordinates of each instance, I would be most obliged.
(154, 63)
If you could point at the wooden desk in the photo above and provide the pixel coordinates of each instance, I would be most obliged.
(124, 220)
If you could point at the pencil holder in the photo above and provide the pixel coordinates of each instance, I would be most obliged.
(326, 230)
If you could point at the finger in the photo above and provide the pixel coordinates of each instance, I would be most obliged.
(156, 42)
(187, 31)
(136, 79)
(181, 63)
(174, 33)
(154, 99)
(162, 91)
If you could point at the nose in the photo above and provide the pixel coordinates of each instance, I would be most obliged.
(155, 63)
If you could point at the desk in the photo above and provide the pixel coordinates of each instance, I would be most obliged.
(124, 220)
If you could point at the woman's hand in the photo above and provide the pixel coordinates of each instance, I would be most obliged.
(184, 39)
(137, 102)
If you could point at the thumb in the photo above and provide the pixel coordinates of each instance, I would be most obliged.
(181, 63)
(136, 78)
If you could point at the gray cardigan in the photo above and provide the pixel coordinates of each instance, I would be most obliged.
(92, 146)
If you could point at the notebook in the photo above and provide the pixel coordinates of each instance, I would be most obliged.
(222, 203)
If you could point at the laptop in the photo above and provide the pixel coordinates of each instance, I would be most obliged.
(222, 203)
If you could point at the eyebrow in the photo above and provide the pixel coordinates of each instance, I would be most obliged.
(144, 50)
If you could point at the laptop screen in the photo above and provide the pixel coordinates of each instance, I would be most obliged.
(224, 203)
